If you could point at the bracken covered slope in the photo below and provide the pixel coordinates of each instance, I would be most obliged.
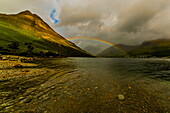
(27, 34)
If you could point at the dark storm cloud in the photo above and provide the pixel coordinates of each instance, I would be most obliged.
(139, 14)
(80, 13)
(117, 21)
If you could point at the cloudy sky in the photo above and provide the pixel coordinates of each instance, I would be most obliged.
(116, 21)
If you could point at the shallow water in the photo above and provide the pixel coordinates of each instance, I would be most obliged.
(91, 85)
(158, 69)
(148, 76)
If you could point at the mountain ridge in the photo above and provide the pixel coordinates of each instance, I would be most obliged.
(150, 48)
(115, 52)
(26, 27)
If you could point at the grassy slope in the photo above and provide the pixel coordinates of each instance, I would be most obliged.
(27, 27)
(154, 48)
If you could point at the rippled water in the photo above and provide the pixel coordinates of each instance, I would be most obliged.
(120, 67)
(92, 85)
(153, 72)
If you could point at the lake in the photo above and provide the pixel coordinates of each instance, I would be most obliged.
(145, 83)
(86, 85)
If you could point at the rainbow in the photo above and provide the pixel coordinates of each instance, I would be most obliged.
(99, 40)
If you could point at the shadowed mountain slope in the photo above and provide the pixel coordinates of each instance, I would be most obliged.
(114, 52)
(153, 48)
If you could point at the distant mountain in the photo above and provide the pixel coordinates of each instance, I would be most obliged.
(92, 49)
(114, 52)
(27, 34)
(153, 48)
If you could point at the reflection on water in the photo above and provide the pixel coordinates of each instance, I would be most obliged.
(89, 85)
(151, 68)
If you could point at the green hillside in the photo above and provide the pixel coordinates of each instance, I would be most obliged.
(154, 48)
(27, 34)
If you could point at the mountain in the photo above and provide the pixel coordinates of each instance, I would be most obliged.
(27, 34)
(91, 49)
(115, 52)
(153, 48)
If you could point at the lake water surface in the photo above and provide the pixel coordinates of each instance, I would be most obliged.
(158, 69)
(145, 83)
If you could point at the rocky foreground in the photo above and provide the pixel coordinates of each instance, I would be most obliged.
(42, 88)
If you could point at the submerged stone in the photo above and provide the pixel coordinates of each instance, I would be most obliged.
(121, 97)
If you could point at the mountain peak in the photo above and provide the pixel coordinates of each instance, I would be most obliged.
(26, 27)
(26, 12)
